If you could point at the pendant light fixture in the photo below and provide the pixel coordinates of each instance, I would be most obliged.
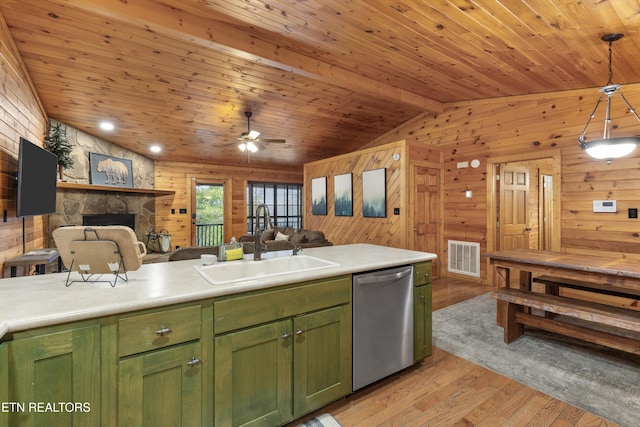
(609, 148)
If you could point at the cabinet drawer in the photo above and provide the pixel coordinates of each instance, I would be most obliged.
(137, 334)
(422, 273)
(253, 309)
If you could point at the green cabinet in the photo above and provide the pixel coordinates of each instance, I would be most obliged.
(163, 366)
(253, 376)
(4, 385)
(56, 376)
(422, 323)
(161, 388)
(264, 357)
(322, 358)
(281, 368)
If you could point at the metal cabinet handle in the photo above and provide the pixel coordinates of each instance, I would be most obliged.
(422, 297)
(300, 332)
(286, 335)
(194, 361)
(426, 274)
(163, 331)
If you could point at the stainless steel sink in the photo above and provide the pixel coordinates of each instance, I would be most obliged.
(223, 273)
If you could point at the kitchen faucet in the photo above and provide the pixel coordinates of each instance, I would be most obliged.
(266, 219)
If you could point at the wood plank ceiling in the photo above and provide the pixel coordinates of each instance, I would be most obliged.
(328, 76)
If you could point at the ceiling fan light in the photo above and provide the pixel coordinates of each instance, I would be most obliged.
(254, 134)
(242, 146)
(252, 147)
(612, 148)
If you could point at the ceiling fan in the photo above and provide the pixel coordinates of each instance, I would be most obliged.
(250, 141)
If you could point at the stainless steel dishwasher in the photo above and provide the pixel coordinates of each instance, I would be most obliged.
(382, 324)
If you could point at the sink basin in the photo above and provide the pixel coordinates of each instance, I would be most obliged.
(223, 273)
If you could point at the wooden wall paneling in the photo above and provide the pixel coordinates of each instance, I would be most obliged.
(525, 128)
(389, 231)
(178, 176)
(21, 115)
(605, 234)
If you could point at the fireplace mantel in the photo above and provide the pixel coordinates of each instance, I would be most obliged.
(92, 187)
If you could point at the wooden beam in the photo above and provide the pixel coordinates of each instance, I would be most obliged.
(216, 31)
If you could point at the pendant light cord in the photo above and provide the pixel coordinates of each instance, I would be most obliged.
(610, 67)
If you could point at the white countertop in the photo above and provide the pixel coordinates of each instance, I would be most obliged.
(36, 301)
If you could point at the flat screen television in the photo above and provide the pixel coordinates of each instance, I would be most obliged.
(37, 177)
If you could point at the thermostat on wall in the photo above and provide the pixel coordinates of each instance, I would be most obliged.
(604, 206)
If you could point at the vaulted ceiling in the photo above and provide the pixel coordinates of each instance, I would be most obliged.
(328, 76)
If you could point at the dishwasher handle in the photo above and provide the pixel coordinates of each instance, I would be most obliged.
(368, 279)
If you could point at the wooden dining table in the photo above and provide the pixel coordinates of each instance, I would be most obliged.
(605, 273)
(599, 276)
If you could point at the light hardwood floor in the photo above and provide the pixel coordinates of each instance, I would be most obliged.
(446, 390)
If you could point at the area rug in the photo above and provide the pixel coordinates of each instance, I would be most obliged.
(324, 420)
(587, 376)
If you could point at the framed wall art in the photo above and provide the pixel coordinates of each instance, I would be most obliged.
(374, 193)
(109, 170)
(343, 195)
(319, 196)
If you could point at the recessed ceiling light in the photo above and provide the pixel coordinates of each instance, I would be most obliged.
(108, 126)
(155, 148)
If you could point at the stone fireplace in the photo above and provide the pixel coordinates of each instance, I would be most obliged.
(80, 207)
(74, 203)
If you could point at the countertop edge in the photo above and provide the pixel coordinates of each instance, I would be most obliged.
(4, 328)
(197, 288)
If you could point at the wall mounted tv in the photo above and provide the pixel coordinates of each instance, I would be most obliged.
(37, 177)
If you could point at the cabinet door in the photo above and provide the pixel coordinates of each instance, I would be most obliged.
(322, 358)
(53, 368)
(161, 388)
(253, 376)
(422, 326)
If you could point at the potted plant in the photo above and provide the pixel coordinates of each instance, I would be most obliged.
(58, 144)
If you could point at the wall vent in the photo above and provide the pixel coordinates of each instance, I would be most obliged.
(464, 258)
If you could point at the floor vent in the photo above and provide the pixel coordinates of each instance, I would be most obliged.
(464, 258)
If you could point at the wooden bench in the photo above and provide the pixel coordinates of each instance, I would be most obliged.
(553, 285)
(602, 324)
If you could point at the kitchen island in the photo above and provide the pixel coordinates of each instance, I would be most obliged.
(162, 346)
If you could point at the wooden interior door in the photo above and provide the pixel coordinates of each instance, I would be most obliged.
(514, 206)
(426, 212)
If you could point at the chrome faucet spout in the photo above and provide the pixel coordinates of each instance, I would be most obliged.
(266, 219)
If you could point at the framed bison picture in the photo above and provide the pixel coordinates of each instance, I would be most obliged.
(109, 170)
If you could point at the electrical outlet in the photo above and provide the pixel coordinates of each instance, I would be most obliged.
(633, 213)
(396, 211)
(183, 210)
